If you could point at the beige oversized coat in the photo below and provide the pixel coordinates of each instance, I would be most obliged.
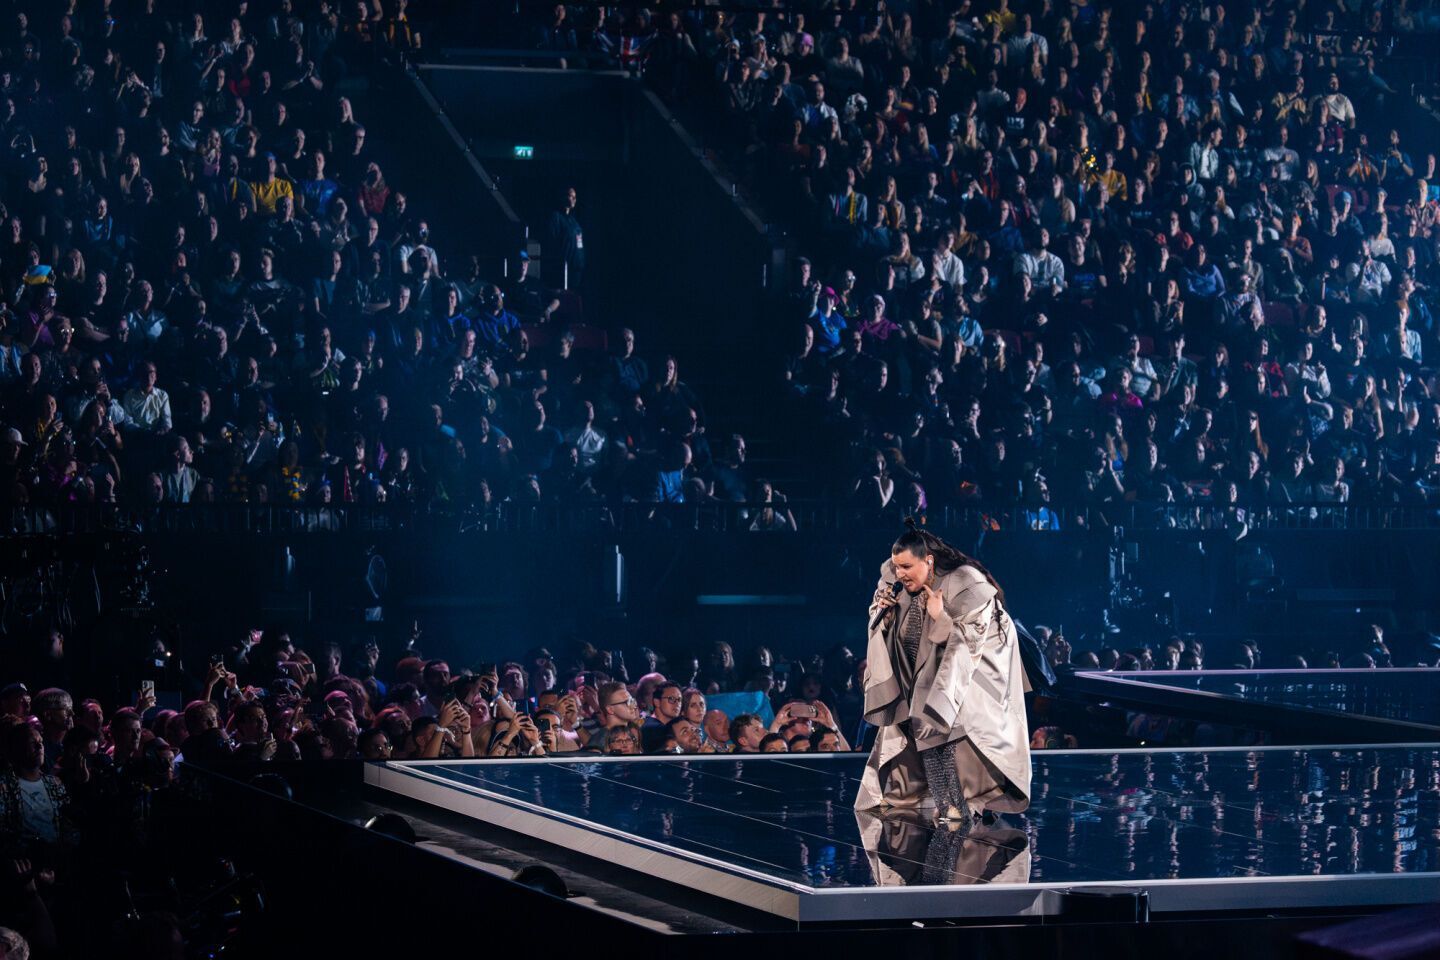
(968, 681)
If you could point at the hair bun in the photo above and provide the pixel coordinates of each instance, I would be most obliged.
(911, 525)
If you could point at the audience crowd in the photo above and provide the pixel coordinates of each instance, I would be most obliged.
(210, 292)
(1165, 254)
(82, 782)
(80, 779)
(1162, 253)
(1089, 254)
(1368, 650)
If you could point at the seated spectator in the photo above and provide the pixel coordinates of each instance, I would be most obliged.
(146, 405)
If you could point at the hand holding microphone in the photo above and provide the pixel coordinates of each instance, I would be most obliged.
(885, 602)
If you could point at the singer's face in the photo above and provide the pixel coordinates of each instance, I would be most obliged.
(912, 570)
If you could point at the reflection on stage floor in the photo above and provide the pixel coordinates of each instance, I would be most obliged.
(1218, 829)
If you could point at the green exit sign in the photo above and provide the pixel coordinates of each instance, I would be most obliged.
(524, 152)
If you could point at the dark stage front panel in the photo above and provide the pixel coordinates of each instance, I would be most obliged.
(1132, 816)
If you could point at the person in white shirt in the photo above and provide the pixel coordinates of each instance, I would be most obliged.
(1369, 277)
(1142, 371)
(1340, 106)
(418, 243)
(1045, 270)
(946, 265)
(1381, 246)
(845, 72)
(147, 405)
(1205, 154)
(143, 317)
(10, 350)
(1282, 154)
(180, 478)
(32, 802)
(92, 388)
(588, 440)
(1401, 341)
(1305, 368)
(1017, 48)
(817, 114)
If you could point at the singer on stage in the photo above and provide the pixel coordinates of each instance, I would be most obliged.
(945, 685)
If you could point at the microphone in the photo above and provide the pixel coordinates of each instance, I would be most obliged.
(895, 589)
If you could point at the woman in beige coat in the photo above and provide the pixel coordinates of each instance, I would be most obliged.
(945, 685)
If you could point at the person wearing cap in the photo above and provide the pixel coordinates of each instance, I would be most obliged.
(15, 701)
(269, 190)
(11, 446)
(807, 62)
(493, 322)
(525, 292)
(881, 336)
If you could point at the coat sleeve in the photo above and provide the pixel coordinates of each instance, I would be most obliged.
(882, 688)
(882, 588)
(967, 614)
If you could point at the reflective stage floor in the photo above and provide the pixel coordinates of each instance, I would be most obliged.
(1239, 829)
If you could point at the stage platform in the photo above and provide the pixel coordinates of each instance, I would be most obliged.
(1203, 831)
(1284, 706)
(1402, 695)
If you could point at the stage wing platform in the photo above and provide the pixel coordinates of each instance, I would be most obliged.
(1399, 695)
(1274, 707)
(1201, 830)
